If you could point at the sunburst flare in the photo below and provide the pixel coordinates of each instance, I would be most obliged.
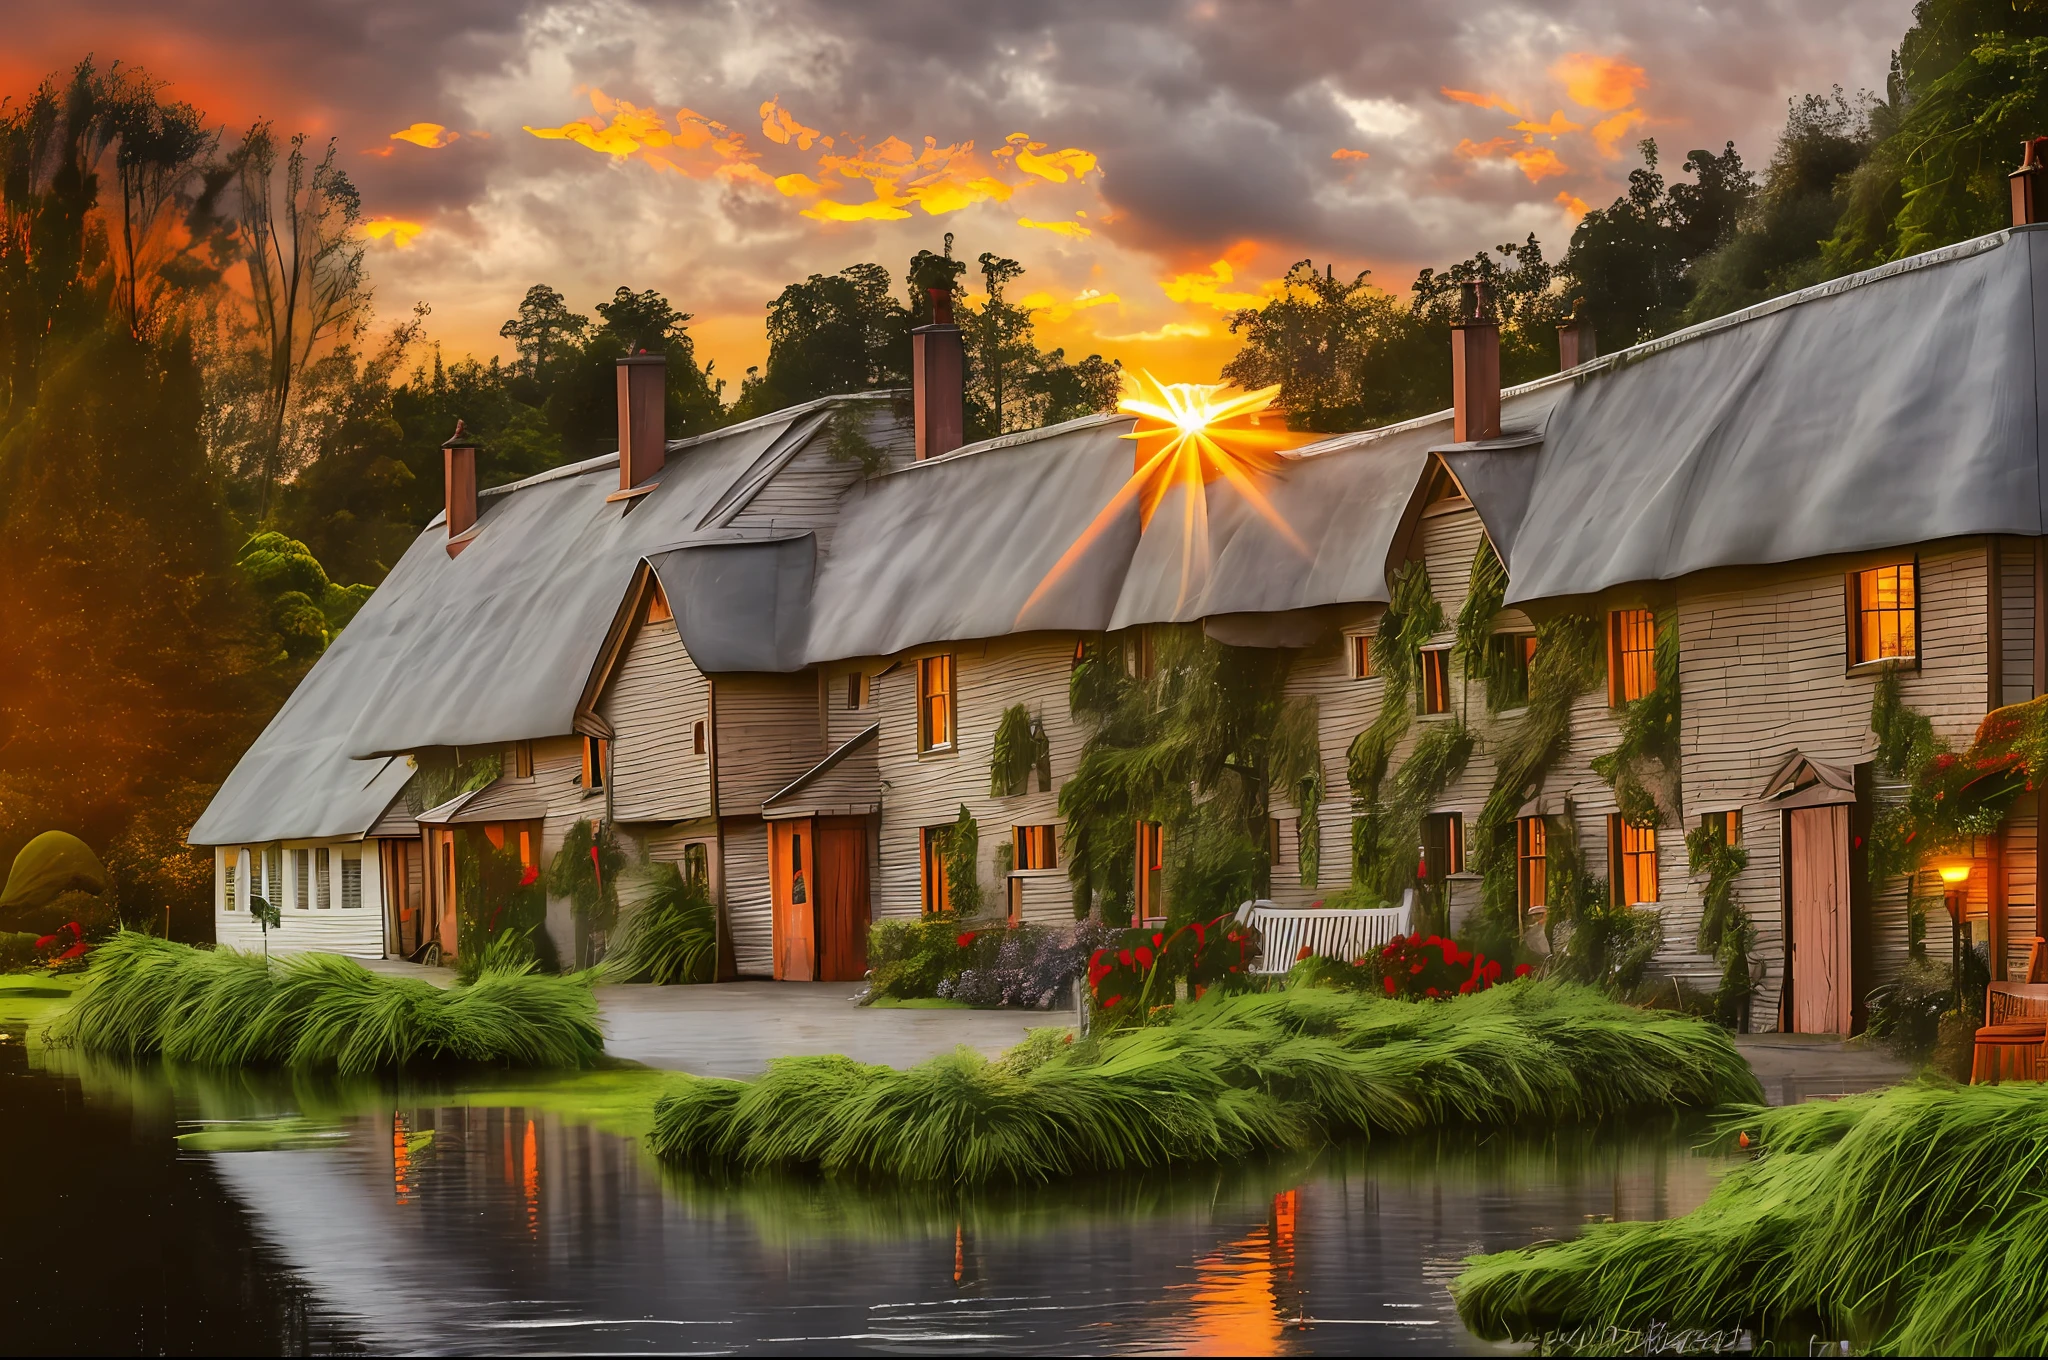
(1188, 435)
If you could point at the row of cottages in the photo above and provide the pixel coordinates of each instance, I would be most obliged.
(780, 655)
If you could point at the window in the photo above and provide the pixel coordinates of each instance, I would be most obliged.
(1139, 657)
(273, 876)
(1507, 669)
(932, 872)
(935, 703)
(1725, 826)
(302, 871)
(447, 870)
(351, 880)
(700, 738)
(233, 858)
(596, 755)
(1531, 863)
(522, 760)
(1884, 623)
(1359, 647)
(657, 605)
(1436, 680)
(323, 879)
(525, 847)
(1151, 863)
(1631, 655)
(856, 689)
(1634, 858)
(1443, 845)
(1037, 847)
(697, 864)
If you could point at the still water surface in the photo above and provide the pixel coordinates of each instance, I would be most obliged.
(463, 1219)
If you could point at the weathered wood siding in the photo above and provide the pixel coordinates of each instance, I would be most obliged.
(558, 774)
(1764, 670)
(749, 903)
(653, 702)
(357, 931)
(1345, 706)
(766, 734)
(806, 492)
(2016, 571)
(928, 789)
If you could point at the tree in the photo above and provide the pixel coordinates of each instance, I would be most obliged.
(546, 333)
(167, 187)
(305, 270)
(583, 406)
(831, 333)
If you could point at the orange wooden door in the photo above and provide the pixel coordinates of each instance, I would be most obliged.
(842, 899)
(1823, 993)
(794, 885)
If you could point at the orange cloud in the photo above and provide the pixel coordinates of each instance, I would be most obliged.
(1074, 229)
(1211, 287)
(1045, 307)
(1571, 203)
(1054, 167)
(1172, 330)
(1557, 126)
(1479, 101)
(1345, 153)
(1492, 146)
(1598, 82)
(432, 136)
(778, 125)
(397, 231)
(697, 148)
(1538, 162)
(1608, 132)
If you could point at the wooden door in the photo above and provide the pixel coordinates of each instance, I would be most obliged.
(794, 885)
(441, 843)
(842, 856)
(1823, 989)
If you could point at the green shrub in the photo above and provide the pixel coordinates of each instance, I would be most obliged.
(146, 997)
(672, 938)
(1905, 1222)
(1225, 1077)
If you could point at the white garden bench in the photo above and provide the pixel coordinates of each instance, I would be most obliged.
(1336, 933)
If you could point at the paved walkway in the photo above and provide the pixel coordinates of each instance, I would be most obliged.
(734, 1028)
(1794, 1068)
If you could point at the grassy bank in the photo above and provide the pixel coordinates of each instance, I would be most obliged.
(1908, 1221)
(146, 997)
(1226, 1078)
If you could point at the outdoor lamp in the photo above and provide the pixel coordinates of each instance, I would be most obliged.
(1953, 877)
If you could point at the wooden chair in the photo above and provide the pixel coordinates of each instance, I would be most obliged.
(2015, 1030)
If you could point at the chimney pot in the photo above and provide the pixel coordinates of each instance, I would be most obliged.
(458, 481)
(1475, 371)
(2027, 204)
(1575, 342)
(938, 380)
(643, 417)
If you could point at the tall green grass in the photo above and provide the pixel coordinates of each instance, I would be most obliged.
(1909, 1221)
(1226, 1078)
(220, 1008)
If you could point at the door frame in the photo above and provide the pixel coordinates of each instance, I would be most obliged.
(792, 872)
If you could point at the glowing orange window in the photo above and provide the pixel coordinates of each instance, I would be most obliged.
(1631, 655)
(1635, 861)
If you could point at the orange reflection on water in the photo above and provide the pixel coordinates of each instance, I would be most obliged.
(401, 1160)
(530, 1182)
(1242, 1290)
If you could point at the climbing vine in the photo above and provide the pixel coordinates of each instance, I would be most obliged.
(1643, 768)
(1021, 747)
(1566, 665)
(1607, 944)
(586, 871)
(1726, 932)
(1478, 650)
(1412, 617)
(963, 874)
(1196, 745)
(1298, 770)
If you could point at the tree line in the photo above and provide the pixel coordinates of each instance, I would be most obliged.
(208, 457)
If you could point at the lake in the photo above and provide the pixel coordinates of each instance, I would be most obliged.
(159, 1211)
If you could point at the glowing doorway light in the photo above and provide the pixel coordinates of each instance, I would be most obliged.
(1188, 435)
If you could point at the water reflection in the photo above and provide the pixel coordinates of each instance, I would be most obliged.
(414, 1218)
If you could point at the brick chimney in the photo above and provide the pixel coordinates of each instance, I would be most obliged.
(1575, 343)
(2028, 202)
(938, 380)
(643, 421)
(1475, 367)
(458, 481)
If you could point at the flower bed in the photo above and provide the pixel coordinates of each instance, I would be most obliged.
(977, 963)
(1222, 1077)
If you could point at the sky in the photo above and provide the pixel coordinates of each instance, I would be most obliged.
(1154, 165)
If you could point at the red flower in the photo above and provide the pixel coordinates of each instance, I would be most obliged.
(1304, 953)
(46, 941)
(966, 938)
(1112, 1001)
(75, 950)
(1144, 957)
(1390, 985)
(526, 880)
(1096, 957)
(1521, 970)
(1431, 992)
(1158, 941)
(1124, 957)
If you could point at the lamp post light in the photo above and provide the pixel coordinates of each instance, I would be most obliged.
(1955, 897)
